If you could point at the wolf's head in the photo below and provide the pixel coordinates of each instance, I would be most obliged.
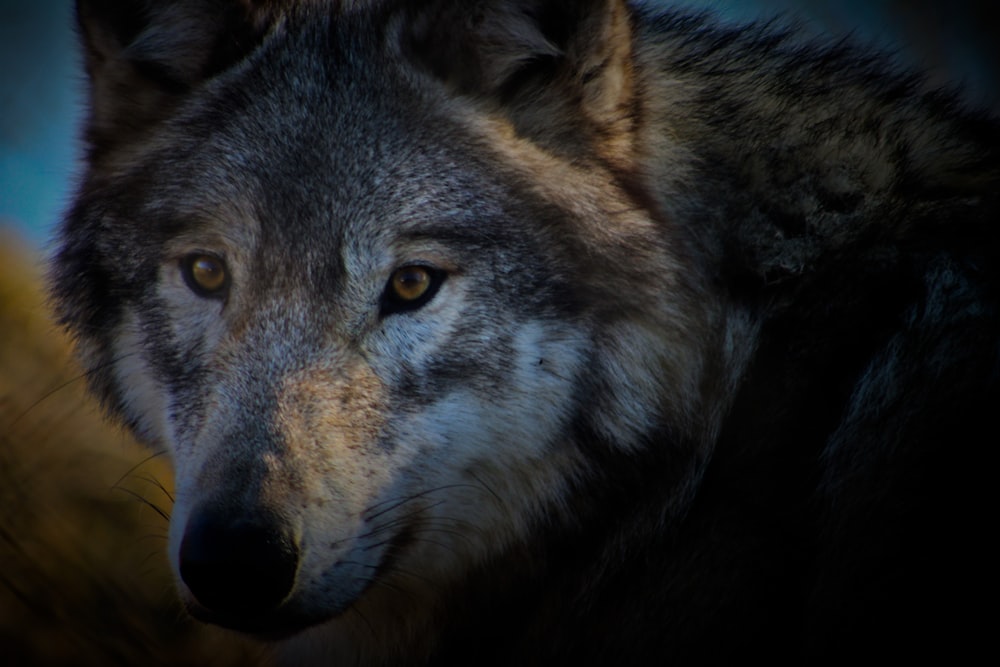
(385, 281)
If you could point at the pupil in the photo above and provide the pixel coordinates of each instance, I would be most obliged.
(410, 283)
(207, 272)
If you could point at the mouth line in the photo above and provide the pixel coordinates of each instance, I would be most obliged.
(269, 626)
(289, 618)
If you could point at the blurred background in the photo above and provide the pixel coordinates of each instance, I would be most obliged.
(40, 82)
(83, 510)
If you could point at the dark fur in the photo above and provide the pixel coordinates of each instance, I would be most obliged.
(846, 215)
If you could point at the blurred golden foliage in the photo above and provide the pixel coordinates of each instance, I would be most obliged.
(84, 578)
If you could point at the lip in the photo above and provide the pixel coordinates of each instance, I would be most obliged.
(267, 626)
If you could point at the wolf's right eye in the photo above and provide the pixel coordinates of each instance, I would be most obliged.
(205, 275)
(410, 287)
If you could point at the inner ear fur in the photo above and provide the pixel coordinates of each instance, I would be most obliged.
(142, 56)
(559, 69)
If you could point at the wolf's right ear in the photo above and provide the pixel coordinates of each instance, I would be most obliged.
(143, 56)
(560, 70)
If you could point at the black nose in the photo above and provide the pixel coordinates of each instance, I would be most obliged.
(237, 565)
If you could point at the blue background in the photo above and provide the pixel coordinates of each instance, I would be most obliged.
(41, 82)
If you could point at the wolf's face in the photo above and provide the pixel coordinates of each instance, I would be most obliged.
(342, 330)
(367, 318)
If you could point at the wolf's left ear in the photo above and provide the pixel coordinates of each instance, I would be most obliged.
(143, 56)
(557, 68)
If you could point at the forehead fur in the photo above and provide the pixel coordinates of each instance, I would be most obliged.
(322, 132)
(341, 134)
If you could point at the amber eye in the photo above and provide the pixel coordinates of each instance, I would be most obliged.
(410, 287)
(410, 283)
(206, 275)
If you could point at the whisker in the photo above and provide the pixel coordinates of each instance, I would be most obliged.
(488, 488)
(403, 501)
(387, 585)
(392, 569)
(390, 504)
(156, 484)
(400, 519)
(446, 547)
(52, 392)
(444, 531)
(357, 611)
(162, 488)
(139, 465)
(409, 573)
(144, 500)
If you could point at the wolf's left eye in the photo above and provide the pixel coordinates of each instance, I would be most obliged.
(410, 287)
(206, 275)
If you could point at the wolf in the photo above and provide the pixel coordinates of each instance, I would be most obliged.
(543, 332)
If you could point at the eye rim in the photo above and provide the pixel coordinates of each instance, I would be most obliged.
(393, 302)
(218, 290)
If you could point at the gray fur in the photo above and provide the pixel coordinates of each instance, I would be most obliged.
(714, 323)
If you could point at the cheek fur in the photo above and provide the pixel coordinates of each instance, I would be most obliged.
(507, 405)
(145, 404)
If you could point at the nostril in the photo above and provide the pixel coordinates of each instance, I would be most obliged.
(237, 565)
